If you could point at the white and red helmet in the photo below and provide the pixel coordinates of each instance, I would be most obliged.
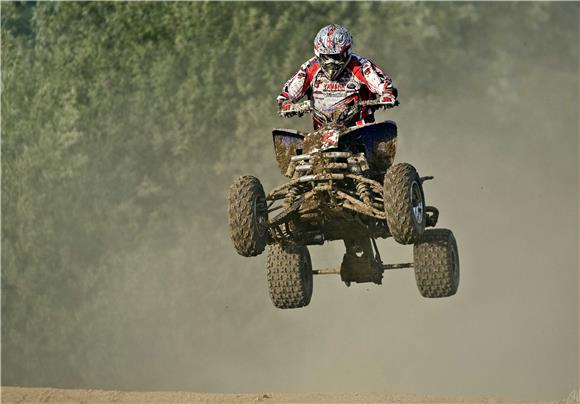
(333, 48)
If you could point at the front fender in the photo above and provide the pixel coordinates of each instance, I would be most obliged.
(379, 141)
(287, 143)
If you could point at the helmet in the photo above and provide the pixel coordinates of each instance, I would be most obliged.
(333, 48)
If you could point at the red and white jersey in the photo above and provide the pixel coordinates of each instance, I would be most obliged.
(361, 80)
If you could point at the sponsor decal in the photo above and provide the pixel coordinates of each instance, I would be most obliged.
(330, 137)
(334, 86)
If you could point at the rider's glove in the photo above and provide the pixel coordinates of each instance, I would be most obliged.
(388, 100)
(286, 109)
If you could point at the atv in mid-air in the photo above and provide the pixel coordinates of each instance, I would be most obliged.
(343, 186)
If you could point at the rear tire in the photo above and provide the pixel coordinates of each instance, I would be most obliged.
(437, 263)
(248, 216)
(289, 274)
(404, 203)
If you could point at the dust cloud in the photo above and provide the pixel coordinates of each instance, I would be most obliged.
(509, 191)
(506, 183)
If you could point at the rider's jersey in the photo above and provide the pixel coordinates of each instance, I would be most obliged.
(361, 80)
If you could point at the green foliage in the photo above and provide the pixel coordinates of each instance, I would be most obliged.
(122, 123)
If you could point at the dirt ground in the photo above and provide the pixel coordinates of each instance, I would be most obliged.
(47, 395)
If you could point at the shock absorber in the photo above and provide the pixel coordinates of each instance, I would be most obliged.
(290, 197)
(363, 191)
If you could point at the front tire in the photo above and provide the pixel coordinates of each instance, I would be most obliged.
(437, 263)
(289, 274)
(404, 203)
(248, 216)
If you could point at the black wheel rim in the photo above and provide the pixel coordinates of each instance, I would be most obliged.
(260, 217)
(307, 274)
(454, 265)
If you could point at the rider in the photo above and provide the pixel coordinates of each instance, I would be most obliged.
(336, 77)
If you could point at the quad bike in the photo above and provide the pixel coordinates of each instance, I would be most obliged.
(343, 186)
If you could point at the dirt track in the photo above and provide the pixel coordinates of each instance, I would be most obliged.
(47, 395)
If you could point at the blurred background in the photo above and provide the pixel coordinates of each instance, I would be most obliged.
(123, 125)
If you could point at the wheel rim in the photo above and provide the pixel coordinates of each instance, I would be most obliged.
(454, 265)
(307, 274)
(417, 205)
(259, 214)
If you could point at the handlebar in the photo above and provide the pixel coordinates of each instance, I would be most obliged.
(306, 106)
(377, 103)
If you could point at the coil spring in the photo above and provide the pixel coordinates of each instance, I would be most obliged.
(283, 232)
(364, 192)
(293, 192)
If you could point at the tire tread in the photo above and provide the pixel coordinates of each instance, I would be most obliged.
(433, 266)
(398, 205)
(245, 236)
(289, 275)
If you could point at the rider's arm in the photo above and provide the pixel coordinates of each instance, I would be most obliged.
(378, 82)
(298, 85)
